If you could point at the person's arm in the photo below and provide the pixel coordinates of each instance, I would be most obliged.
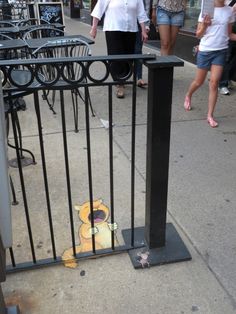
(202, 26)
(142, 20)
(93, 31)
(232, 36)
(147, 4)
(154, 9)
(97, 13)
(144, 32)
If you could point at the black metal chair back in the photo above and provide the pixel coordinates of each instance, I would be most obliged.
(4, 37)
(41, 31)
(31, 22)
(62, 48)
(6, 24)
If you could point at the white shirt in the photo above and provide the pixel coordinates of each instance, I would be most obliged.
(216, 36)
(120, 15)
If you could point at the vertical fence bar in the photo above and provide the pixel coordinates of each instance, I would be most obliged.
(13, 118)
(110, 117)
(12, 257)
(67, 168)
(133, 134)
(163, 244)
(38, 115)
(13, 192)
(90, 178)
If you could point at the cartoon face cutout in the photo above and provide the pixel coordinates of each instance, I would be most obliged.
(100, 212)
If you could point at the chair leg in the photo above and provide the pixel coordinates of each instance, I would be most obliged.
(89, 100)
(19, 134)
(75, 108)
(50, 105)
(74, 95)
(90, 104)
(25, 161)
(14, 200)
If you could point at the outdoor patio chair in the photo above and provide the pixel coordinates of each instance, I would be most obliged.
(31, 22)
(4, 37)
(40, 31)
(6, 24)
(4, 54)
(19, 9)
(61, 48)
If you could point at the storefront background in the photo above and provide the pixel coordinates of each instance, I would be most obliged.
(191, 16)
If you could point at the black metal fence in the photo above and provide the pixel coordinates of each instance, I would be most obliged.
(58, 223)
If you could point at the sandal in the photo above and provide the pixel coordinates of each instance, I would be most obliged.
(187, 103)
(120, 91)
(212, 122)
(141, 84)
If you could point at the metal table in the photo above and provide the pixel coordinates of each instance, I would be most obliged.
(13, 44)
(11, 49)
(12, 31)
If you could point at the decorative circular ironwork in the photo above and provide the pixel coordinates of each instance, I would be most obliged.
(93, 79)
(123, 76)
(47, 74)
(20, 77)
(73, 73)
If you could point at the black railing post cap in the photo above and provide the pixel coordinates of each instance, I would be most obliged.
(164, 62)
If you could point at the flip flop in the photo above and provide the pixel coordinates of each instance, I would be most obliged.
(187, 103)
(212, 122)
(141, 84)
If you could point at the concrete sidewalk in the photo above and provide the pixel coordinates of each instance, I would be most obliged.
(201, 205)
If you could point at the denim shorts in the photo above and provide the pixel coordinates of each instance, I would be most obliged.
(206, 58)
(170, 18)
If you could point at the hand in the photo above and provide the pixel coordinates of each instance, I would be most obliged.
(206, 20)
(113, 226)
(93, 230)
(93, 32)
(144, 36)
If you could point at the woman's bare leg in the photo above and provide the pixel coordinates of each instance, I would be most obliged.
(165, 36)
(216, 72)
(196, 83)
(168, 36)
(174, 30)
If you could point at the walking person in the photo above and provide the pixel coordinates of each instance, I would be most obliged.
(120, 26)
(214, 35)
(224, 83)
(139, 46)
(169, 16)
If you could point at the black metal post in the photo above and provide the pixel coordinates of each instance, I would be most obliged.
(163, 244)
